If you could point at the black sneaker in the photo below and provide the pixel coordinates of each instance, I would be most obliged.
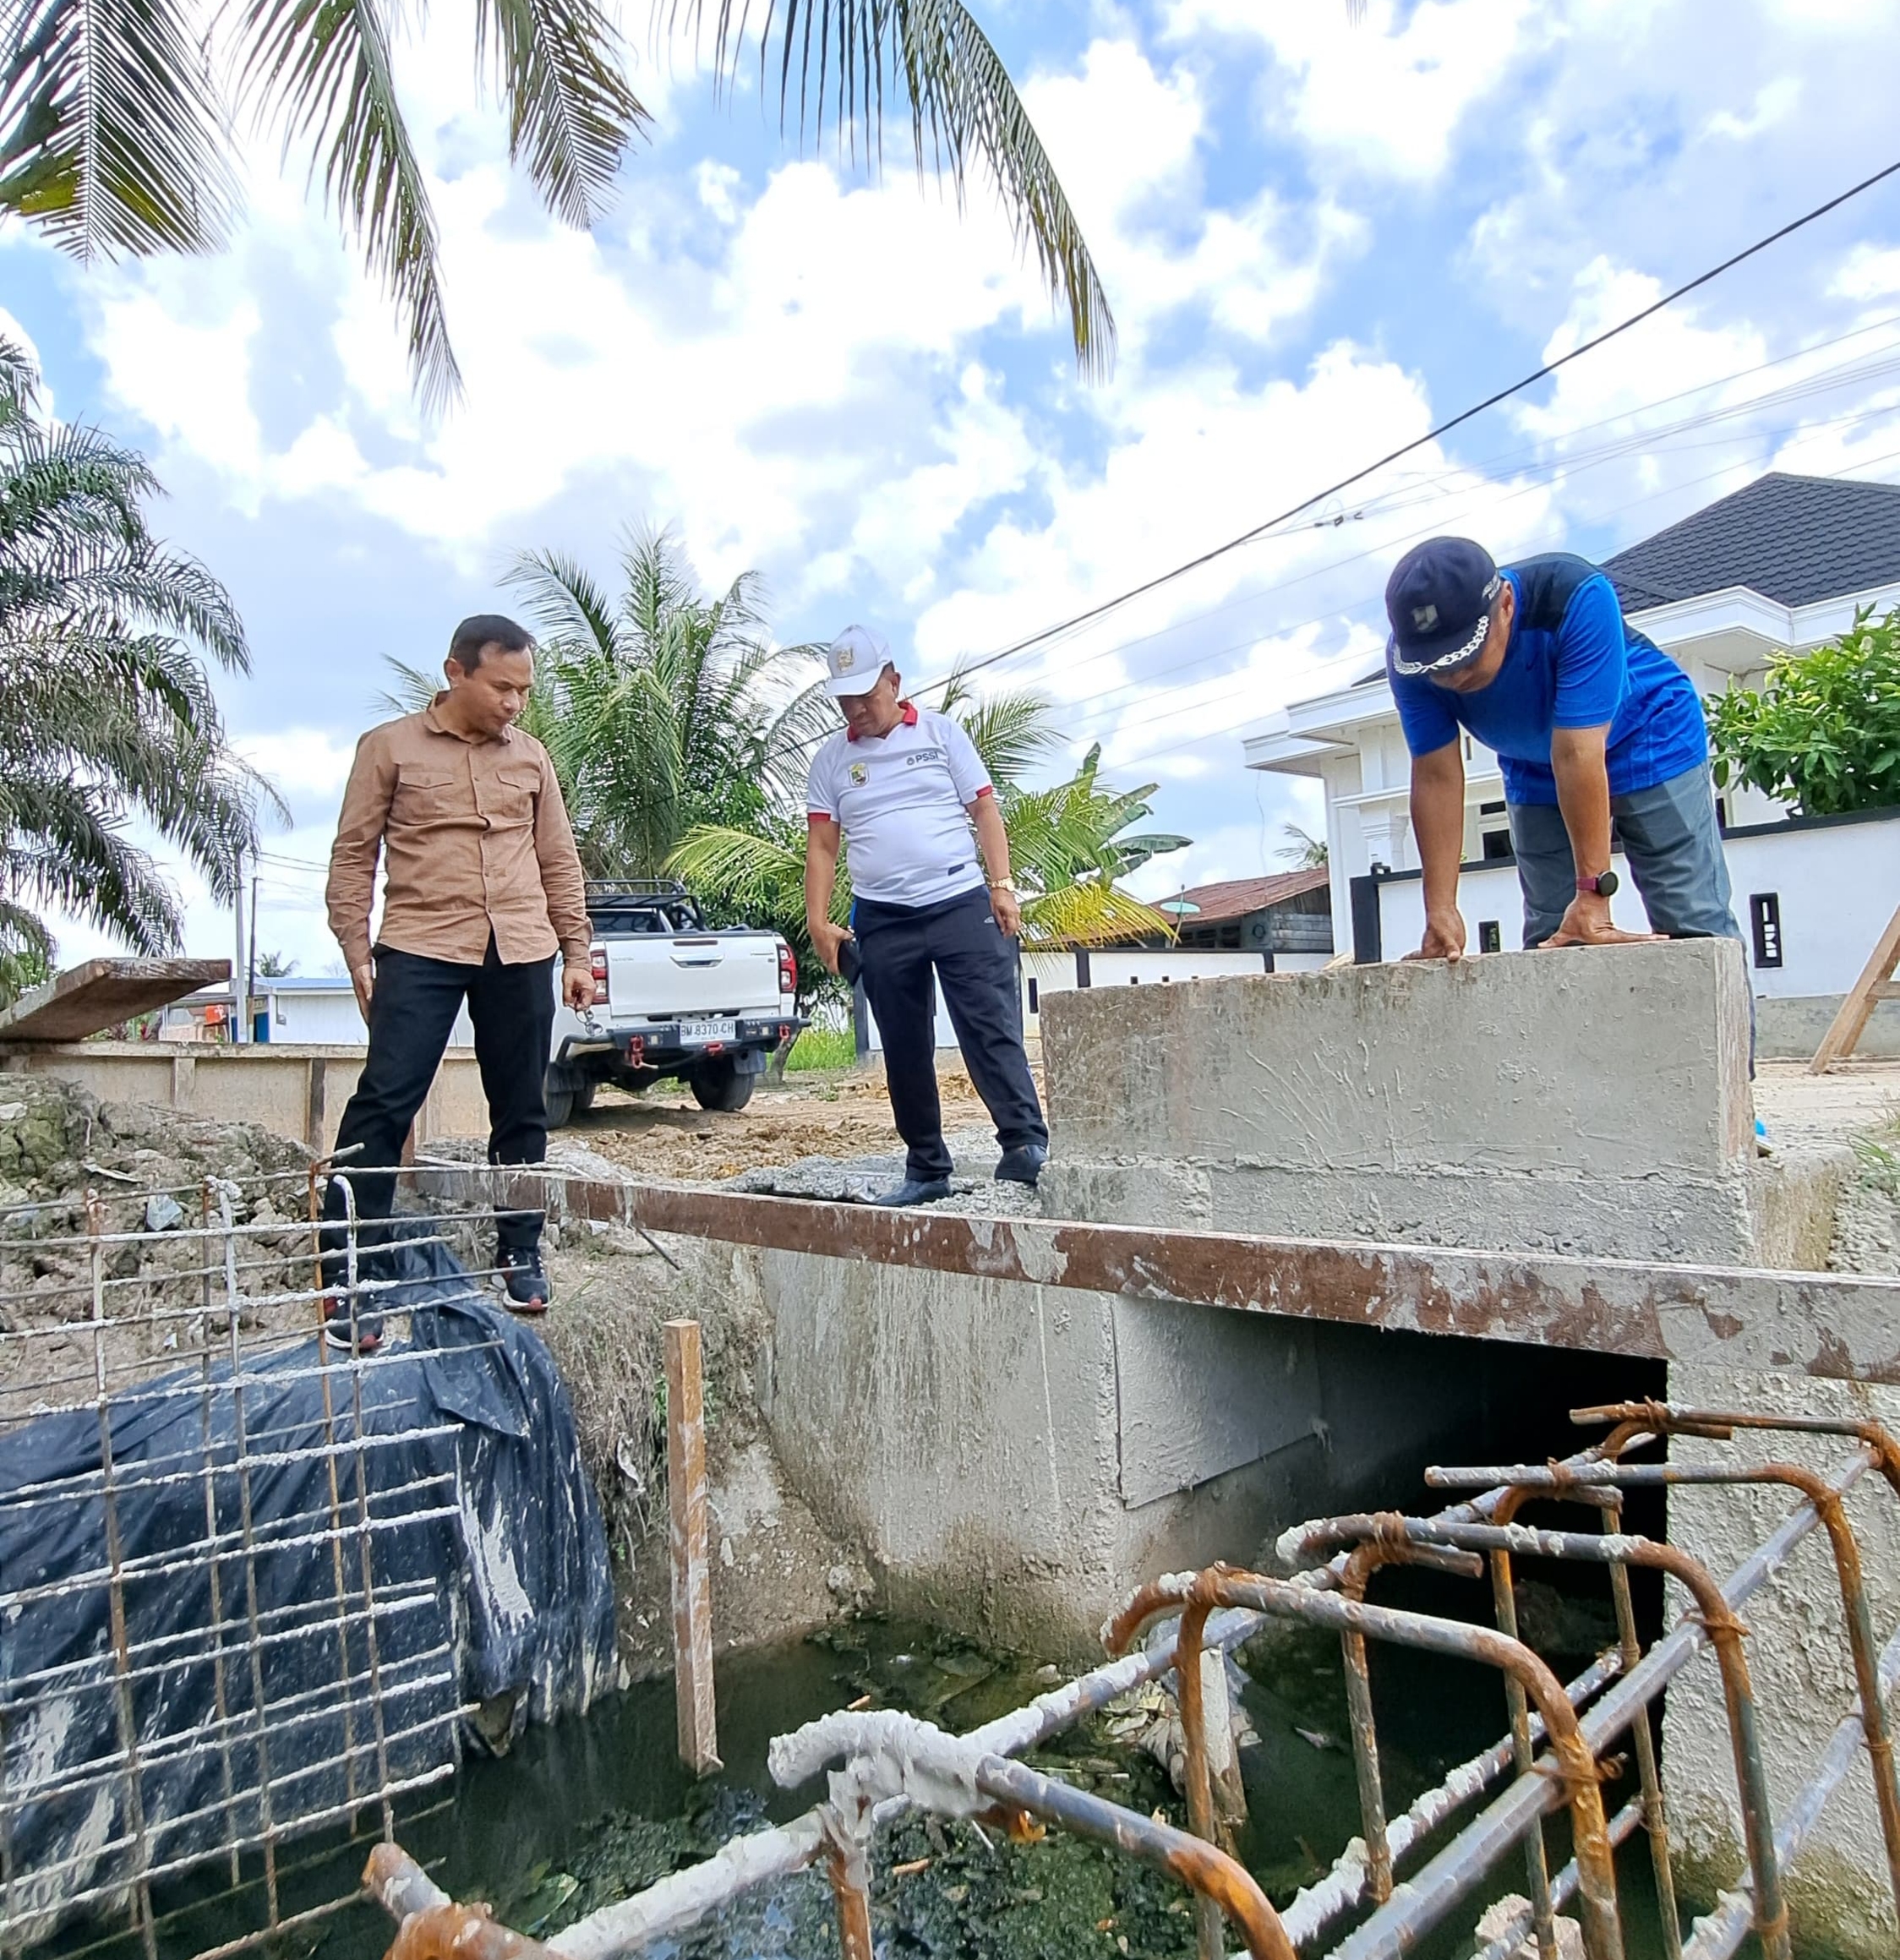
(364, 1338)
(524, 1278)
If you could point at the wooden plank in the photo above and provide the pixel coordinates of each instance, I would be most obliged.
(1857, 1005)
(692, 1583)
(103, 992)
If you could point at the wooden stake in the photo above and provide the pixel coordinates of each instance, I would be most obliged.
(692, 1583)
(1857, 1005)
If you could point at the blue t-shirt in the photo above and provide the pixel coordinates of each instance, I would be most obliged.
(1573, 663)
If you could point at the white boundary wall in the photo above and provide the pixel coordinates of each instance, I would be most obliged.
(1058, 973)
(1836, 885)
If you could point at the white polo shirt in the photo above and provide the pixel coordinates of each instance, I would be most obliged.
(902, 801)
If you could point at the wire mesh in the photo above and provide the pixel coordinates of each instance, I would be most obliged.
(178, 1701)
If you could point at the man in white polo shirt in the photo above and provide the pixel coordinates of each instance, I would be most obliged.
(908, 790)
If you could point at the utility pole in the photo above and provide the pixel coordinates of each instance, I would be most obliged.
(250, 961)
(240, 1006)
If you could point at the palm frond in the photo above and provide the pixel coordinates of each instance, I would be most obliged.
(563, 599)
(415, 688)
(324, 68)
(757, 869)
(112, 139)
(19, 383)
(570, 113)
(839, 58)
(1012, 732)
(1093, 913)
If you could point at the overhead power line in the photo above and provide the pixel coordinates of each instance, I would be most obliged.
(1477, 408)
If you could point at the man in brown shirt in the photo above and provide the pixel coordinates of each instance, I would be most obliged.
(483, 888)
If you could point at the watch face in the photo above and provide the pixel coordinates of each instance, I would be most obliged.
(1607, 885)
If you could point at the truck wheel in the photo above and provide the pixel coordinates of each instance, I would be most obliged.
(584, 1097)
(558, 1102)
(717, 1085)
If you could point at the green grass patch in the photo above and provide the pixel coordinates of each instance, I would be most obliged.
(822, 1048)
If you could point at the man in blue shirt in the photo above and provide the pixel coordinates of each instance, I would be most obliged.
(1590, 721)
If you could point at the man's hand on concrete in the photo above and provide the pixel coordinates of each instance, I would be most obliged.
(363, 979)
(1009, 911)
(825, 940)
(1588, 922)
(577, 986)
(1445, 936)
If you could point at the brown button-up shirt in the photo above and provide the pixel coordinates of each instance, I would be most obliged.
(475, 840)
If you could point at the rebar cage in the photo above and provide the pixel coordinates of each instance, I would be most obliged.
(1559, 1751)
(227, 1636)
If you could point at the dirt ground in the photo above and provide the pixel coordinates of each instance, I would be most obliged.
(665, 1133)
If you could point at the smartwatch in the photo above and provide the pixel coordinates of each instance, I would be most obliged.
(1604, 884)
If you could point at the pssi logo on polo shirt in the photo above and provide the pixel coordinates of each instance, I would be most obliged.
(917, 756)
(859, 775)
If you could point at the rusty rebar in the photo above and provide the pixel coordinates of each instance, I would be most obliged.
(1719, 1425)
(246, 1524)
(125, 1713)
(1212, 1875)
(1725, 1633)
(1656, 1823)
(1207, 1937)
(1517, 1707)
(850, 1883)
(430, 1925)
(1602, 1929)
(1862, 1645)
(1364, 1561)
(337, 1578)
(220, 1690)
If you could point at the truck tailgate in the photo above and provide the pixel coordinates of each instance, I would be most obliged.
(657, 978)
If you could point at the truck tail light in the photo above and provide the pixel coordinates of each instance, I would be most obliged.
(788, 969)
(597, 960)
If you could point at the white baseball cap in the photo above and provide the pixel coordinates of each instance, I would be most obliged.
(854, 660)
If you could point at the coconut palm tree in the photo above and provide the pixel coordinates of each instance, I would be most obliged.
(1302, 850)
(115, 116)
(108, 716)
(662, 710)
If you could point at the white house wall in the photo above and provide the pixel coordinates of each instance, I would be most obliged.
(1055, 973)
(1837, 887)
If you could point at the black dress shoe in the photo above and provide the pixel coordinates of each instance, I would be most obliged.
(1023, 1164)
(914, 1191)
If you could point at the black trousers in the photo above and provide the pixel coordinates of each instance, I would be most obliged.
(412, 1012)
(900, 946)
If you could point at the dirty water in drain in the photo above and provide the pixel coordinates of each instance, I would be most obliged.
(586, 1810)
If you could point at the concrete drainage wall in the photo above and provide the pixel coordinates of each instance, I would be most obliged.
(1593, 1102)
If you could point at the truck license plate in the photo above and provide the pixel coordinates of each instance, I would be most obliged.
(709, 1031)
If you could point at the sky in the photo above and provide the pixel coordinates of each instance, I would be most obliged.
(1319, 238)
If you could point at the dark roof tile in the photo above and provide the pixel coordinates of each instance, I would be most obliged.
(1793, 539)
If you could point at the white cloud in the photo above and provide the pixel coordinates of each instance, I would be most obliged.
(1385, 95)
(301, 761)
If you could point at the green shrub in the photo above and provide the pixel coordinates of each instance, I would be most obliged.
(1823, 732)
(822, 1048)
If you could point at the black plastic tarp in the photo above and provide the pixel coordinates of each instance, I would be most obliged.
(487, 1561)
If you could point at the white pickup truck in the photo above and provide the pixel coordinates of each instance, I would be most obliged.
(672, 997)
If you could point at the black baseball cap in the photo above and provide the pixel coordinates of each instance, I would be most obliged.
(1437, 601)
